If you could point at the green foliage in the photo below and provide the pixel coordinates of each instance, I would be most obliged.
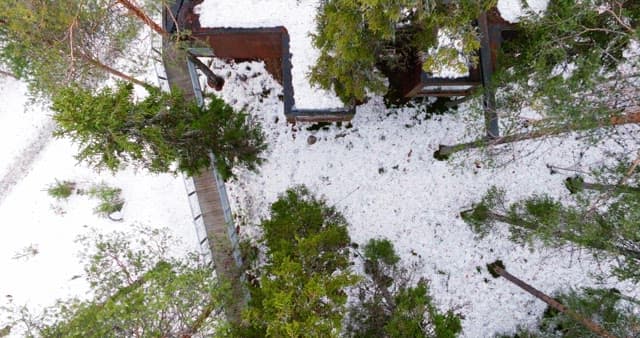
(50, 44)
(388, 307)
(564, 63)
(381, 250)
(163, 128)
(306, 229)
(479, 217)
(301, 289)
(137, 289)
(407, 319)
(110, 199)
(574, 184)
(612, 229)
(61, 189)
(607, 307)
(355, 37)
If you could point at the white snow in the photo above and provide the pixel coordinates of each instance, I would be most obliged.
(382, 176)
(513, 10)
(298, 18)
(30, 218)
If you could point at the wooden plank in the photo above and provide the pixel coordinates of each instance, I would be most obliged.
(208, 196)
(490, 115)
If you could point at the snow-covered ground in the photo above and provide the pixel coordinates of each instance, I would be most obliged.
(31, 219)
(292, 14)
(382, 176)
(380, 173)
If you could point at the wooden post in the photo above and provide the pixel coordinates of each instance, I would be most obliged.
(486, 67)
(497, 269)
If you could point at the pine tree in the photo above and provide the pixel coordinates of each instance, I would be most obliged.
(610, 228)
(608, 307)
(497, 269)
(112, 128)
(50, 44)
(574, 65)
(301, 289)
(387, 306)
(354, 36)
(137, 289)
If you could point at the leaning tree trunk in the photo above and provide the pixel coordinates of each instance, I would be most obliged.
(4, 73)
(444, 151)
(214, 81)
(137, 11)
(576, 184)
(497, 269)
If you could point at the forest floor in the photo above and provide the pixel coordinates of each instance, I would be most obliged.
(379, 171)
(39, 260)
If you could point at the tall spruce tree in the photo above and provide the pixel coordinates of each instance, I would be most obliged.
(614, 311)
(387, 306)
(574, 64)
(573, 67)
(51, 44)
(301, 288)
(610, 228)
(112, 129)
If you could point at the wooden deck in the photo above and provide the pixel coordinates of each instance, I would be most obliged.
(209, 197)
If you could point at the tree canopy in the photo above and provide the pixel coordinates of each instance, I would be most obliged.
(573, 64)
(112, 128)
(137, 290)
(356, 37)
(301, 288)
(50, 44)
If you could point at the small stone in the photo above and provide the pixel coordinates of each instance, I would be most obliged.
(311, 139)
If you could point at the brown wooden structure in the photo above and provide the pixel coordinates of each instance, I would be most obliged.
(271, 45)
(418, 83)
(267, 44)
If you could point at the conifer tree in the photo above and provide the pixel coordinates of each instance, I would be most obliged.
(608, 307)
(387, 306)
(610, 228)
(574, 63)
(355, 37)
(51, 44)
(112, 129)
(301, 288)
(576, 66)
(137, 290)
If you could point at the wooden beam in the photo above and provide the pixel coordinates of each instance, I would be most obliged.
(486, 65)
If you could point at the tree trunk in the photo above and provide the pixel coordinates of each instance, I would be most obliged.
(214, 81)
(576, 184)
(113, 71)
(200, 320)
(137, 11)
(496, 269)
(2, 72)
(444, 151)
